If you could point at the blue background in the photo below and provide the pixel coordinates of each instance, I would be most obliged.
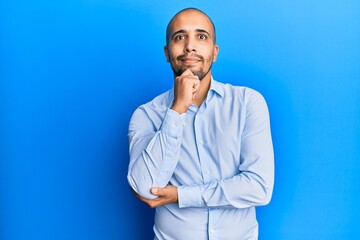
(72, 72)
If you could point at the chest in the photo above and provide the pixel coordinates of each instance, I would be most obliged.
(211, 143)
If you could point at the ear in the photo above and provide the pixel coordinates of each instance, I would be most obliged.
(166, 51)
(216, 52)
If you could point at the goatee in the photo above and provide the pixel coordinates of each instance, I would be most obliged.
(178, 70)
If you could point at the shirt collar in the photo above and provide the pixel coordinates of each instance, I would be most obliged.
(215, 87)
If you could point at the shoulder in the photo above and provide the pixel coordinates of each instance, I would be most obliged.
(159, 102)
(239, 93)
(153, 110)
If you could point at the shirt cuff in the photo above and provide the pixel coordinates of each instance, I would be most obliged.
(189, 196)
(173, 123)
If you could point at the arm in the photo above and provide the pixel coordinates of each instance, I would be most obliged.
(154, 153)
(254, 184)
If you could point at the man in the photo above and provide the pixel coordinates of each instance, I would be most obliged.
(202, 152)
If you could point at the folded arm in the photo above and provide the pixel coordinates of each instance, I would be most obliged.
(253, 185)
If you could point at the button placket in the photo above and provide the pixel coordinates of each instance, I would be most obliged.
(200, 148)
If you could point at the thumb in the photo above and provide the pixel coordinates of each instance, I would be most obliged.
(155, 191)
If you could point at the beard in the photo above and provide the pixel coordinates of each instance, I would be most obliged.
(199, 72)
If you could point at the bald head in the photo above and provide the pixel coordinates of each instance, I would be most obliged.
(169, 28)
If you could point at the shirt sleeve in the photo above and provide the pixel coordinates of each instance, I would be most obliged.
(253, 185)
(154, 153)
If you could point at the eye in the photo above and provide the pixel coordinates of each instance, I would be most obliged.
(202, 36)
(179, 37)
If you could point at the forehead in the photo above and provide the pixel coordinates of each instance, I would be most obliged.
(191, 20)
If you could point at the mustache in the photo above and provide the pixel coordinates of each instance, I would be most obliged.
(184, 56)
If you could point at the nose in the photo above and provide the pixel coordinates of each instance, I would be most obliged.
(190, 45)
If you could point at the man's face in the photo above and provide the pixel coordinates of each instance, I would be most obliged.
(191, 44)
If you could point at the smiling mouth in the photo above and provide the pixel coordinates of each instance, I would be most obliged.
(190, 61)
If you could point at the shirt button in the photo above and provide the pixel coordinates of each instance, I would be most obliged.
(206, 172)
(201, 142)
(212, 231)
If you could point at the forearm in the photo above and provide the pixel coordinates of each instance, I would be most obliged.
(252, 186)
(241, 191)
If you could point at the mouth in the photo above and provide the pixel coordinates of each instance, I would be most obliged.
(190, 61)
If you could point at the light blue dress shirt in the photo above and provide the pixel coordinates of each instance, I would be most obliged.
(220, 156)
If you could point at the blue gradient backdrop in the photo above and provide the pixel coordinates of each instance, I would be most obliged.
(72, 72)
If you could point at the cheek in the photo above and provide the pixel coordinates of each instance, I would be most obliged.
(175, 51)
(209, 59)
(207, 53)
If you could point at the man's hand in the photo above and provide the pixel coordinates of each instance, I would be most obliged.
(186, 86)
(166, 195)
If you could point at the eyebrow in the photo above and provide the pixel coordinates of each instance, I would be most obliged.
(202, 31)
(177, 32)
(199, 30)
